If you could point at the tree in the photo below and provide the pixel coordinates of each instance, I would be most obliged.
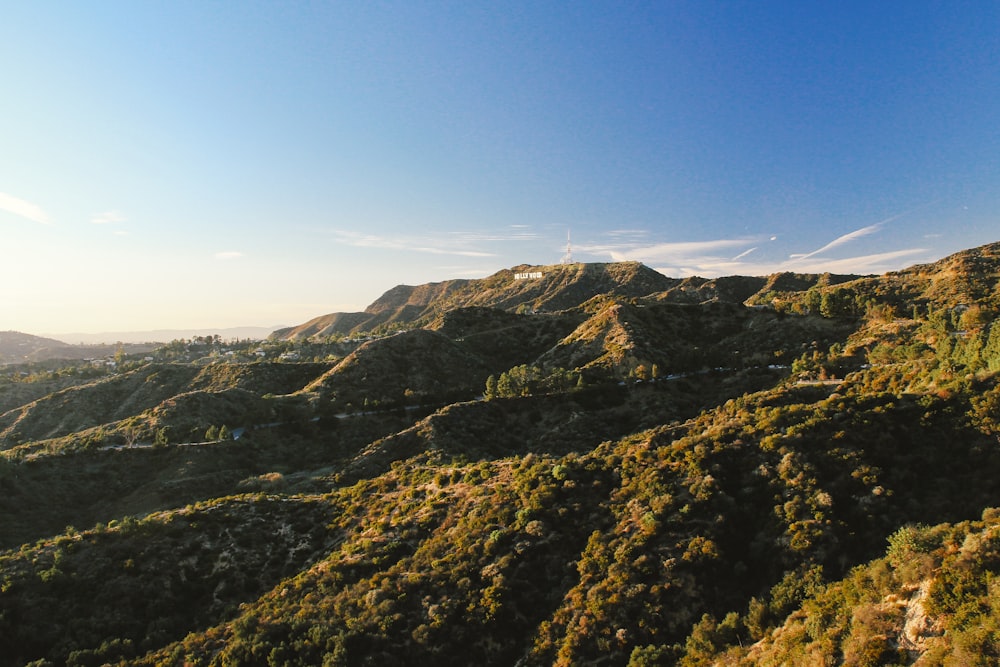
(991, 352)
(505, 387)
(212, 434)
(813, 300)
(224, 433)
(837, 303)
(491, 388)
(640, 372)
(973, 317)
(131, 432)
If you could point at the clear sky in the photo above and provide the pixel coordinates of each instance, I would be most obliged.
(213, 164)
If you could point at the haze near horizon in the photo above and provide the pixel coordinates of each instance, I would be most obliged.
(194, 165)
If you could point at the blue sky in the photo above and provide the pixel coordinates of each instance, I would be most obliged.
(216, 164)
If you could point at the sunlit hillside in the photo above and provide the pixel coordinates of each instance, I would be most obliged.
(566, 465)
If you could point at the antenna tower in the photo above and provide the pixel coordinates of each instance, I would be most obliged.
(568, 257)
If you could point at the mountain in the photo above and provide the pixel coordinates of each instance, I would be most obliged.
(534, 288)
(594, 465)
(545, 289)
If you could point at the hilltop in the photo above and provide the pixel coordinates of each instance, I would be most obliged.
(545, 289)
(597, 465)
(521, 288)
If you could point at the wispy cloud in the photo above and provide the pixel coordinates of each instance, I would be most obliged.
(671, 253)
(108, 218)
(514, 233)
(456, 244)
(22, 208)
(228, 254)
(875, 263)
(841, 240)
(868, 230)
(748, 256)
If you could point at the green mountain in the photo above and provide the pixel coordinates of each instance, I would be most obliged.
(573, 465)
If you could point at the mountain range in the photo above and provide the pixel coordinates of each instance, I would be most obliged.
(554, 465)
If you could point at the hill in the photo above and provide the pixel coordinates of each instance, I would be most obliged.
(16, 347)
(598, 466)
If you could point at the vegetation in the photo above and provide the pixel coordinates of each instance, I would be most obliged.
(653, 474)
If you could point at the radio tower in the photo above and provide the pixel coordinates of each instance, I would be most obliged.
(568, 257)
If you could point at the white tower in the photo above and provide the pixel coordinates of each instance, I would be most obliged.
(568, 257)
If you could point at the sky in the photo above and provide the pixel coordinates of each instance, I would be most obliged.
(219, 164)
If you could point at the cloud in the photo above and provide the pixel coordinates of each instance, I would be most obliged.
(108, 218)
(725, 257)
(876, 263)
(228, 254)
(846, 238)
(454, 245)
(517, 233)
(669, 253)
(744, 253)
(861, 233)
(22, 208)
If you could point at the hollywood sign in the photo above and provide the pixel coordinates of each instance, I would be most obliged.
(527, 276)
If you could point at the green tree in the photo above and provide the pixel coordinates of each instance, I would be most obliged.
(212, 434)
(991, 351)
(837, 303)
(505, 386)
(491, 388)
(813, 300)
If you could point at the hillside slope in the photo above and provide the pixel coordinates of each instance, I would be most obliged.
(18, 347)
(596, 467)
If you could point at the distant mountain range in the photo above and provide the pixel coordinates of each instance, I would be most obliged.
(163, 335)
(18, 347)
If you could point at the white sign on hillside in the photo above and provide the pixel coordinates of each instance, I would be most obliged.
(527, 276)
